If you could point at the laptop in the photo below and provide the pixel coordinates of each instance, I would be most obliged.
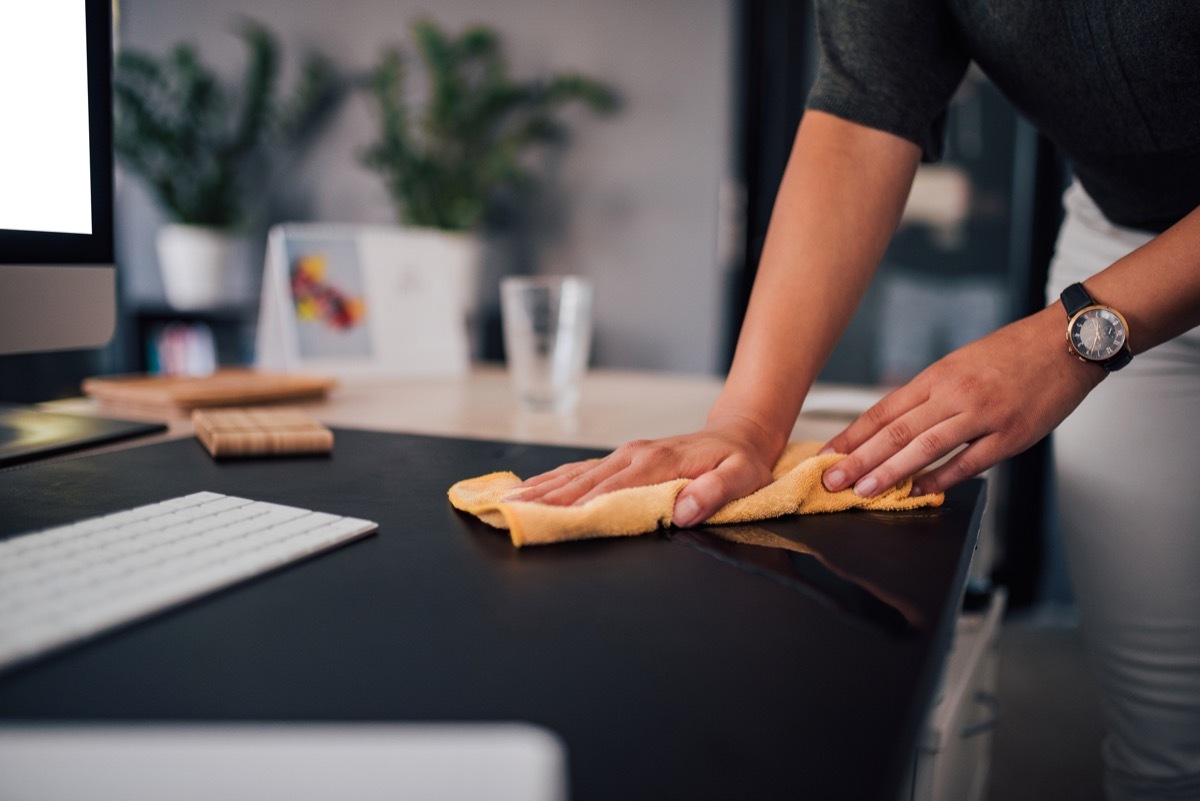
(27, 434)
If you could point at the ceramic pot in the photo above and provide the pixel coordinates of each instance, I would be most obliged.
(196, 265)
(457, 258)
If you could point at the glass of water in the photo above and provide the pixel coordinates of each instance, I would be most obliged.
(547, 324)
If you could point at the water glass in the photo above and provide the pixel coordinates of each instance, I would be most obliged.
(547, 323)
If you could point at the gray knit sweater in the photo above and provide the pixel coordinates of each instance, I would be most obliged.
(1115, 84)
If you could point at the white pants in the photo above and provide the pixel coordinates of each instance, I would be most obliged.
(924, 318)
(1128, 464)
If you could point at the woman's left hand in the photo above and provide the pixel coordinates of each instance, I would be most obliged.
(997, 396)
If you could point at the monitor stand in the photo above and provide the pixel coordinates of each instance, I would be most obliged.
(27, 434)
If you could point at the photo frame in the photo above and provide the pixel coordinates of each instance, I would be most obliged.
(359, 299)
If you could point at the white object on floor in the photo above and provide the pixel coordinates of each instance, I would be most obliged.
(283, 762)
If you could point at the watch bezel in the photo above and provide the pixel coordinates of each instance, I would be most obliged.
(1104, 360)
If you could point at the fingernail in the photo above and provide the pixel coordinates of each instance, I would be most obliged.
(687, 513)
(835, 480)
(866, 487)
(916, 491)
(828, 449)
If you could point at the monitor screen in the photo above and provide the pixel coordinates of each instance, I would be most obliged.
(57, 277)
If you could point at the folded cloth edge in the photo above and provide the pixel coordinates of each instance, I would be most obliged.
(797, 489)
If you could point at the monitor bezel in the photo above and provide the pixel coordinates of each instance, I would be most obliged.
(58, 291)
(53, 247)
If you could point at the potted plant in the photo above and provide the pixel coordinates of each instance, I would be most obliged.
(206, 149)
(446, 162)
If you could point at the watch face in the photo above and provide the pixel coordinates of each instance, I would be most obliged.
(1097, 334)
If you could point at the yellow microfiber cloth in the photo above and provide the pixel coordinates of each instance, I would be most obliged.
(795, 488)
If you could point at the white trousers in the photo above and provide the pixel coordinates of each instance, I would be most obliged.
(924, 318)
(1127, 464)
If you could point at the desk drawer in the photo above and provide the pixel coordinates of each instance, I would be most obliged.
(955, 751)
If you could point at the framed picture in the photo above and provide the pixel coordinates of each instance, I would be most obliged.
(346, 299)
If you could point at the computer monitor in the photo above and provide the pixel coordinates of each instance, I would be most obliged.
(57, 273)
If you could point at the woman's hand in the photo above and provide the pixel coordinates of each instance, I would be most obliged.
(727, 460)
(841, 196)
(997, 396)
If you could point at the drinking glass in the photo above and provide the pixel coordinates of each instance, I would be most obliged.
(547, 323)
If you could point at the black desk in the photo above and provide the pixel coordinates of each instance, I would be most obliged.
(670, 670)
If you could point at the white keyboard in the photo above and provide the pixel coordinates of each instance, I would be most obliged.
(67, 583)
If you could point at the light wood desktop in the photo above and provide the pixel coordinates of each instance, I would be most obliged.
(616, 406)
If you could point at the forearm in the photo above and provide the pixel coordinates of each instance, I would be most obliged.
(838, 205)
(1000, 394)
(1157, 286)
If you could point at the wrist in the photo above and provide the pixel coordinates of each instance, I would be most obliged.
(1052, 325)
(1096, 333)
(749, 431)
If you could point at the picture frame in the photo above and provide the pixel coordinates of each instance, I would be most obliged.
(365, 300)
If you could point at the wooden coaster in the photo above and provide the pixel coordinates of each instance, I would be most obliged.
(260, 432)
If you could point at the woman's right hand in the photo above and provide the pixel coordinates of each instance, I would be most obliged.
(841, 197)
(726, 460)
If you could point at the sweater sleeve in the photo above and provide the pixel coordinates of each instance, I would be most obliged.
(892, 65)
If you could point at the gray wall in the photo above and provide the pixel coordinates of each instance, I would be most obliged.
(635, 204)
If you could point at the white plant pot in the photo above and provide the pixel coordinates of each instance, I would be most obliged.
(455, 258)
(452, 258)
(462, 254)
(196, 265)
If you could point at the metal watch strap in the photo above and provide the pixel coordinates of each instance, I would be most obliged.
(1075, 299)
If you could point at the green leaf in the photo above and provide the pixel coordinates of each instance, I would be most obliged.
(443, 163)
(205, 148)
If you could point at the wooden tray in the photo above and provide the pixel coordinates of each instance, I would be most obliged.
(226, 387)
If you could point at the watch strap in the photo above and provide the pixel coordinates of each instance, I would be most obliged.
(1118, 360)
(1075, 299)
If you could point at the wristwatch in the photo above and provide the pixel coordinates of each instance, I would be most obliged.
(1095, 333)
